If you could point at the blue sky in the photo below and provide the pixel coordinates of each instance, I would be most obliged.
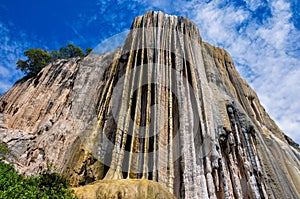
(262, 36)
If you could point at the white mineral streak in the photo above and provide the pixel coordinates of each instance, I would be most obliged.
(185, 132)
(208, 130)
(115, 171)
(137, 119)
(108, 88)
(156, 107)
(165, 107)
(163, 41)
(148, 106)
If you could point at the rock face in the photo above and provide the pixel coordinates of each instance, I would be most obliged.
(166, 107)
(125, 188)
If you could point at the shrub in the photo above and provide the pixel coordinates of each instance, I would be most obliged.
(46, 186)
(4, 150)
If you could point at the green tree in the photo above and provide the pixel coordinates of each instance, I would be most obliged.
(55, 54)
(37, 59)
(70, 51)
(88, 51)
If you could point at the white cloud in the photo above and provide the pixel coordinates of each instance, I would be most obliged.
(4, 71)
(263, 46)
(261, 38)
(13, 44)
(7, 59)
(253, 4)
(261, 53)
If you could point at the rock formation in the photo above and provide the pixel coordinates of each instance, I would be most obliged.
(166, 111)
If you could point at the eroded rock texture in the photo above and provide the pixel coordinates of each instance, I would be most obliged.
(165, 107)
(126, 188)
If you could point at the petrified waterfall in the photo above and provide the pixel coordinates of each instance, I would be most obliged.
(165, 127)
(166, 112)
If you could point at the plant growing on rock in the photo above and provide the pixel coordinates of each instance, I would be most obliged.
(47, 186)
(38, 58)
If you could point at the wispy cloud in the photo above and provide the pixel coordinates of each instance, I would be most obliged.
(265, 51)
(262, 37)
(8, 55)
(264, 43)
(13, 43)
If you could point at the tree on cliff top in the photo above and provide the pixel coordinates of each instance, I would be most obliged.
(67, 52)
(37, 58)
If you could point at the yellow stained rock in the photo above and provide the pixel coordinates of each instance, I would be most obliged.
(125, 188)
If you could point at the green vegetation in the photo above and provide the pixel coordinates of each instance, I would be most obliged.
(37, 58)
(4, 150)
(88, 51)
(47, 186)
(67, 52)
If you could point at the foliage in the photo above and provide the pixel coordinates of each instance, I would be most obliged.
(70, 51)
(37, 58)
(55, 54)
(47, 186)
(88, 51)
(4, 148)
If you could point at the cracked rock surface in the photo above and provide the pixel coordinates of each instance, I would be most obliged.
(166, 107)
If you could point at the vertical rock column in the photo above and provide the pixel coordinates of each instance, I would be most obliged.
(167, 116)
(162, 70)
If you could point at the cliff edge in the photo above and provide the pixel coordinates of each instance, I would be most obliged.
(165, 107)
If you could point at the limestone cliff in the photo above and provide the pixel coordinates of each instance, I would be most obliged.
(166, 111)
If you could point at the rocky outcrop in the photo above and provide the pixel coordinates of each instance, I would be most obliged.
(125, 188)
(166, 107)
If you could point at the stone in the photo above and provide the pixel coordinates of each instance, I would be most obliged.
(166, 112)
(126, 188)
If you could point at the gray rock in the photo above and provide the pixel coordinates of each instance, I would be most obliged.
(166, 107)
